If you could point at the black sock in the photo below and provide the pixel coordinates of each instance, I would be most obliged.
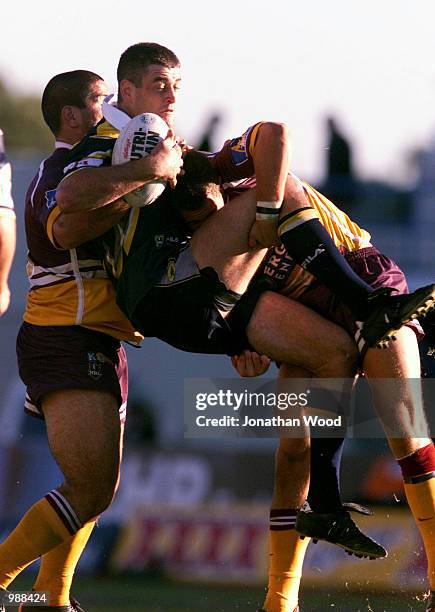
(310, 245)
(324, 493)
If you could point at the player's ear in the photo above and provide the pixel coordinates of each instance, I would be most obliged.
(126, 88)
(70, 116)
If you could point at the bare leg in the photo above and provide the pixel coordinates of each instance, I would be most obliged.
(399, 405)
(292, 461)
(57, 567)
(286, 549)
(84, 435)
(397, 395)
(222, 243)
(291, 333)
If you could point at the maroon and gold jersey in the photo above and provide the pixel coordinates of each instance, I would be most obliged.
(235, 161)
(67, 287)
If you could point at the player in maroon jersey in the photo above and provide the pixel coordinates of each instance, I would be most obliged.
(69, 354)
(399, 405)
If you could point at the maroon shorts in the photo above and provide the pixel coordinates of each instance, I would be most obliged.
(377, 270)
(54, 358)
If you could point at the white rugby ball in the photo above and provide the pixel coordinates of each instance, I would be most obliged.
(137, 139)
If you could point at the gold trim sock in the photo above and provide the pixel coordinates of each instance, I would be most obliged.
(418, 471)
(40, 530)
(286, 557)
(58, 566)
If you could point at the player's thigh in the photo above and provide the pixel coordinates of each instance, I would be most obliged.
(222, 243)
(291, 333)
(289, 370)
(84, 435)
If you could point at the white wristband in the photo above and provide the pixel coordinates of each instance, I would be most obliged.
(268, 211)
(271, 205)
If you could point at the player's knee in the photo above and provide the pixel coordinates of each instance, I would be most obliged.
(292, 448)
(343, 361)
(97, 503)
(93, 497)
(105, 495)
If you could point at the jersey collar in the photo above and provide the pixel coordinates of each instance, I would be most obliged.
(59, 144)
(112, 114)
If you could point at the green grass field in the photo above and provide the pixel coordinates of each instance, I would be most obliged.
(139, 594)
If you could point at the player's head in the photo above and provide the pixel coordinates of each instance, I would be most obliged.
(197, 194)
(71, 102)
(149, 80)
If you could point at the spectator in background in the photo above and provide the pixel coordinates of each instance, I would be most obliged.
(7, 228)
(340, 184)
(207, 140)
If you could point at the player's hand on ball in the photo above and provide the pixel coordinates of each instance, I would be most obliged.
(250, 363)
(263, 234)
(147, 140)
(168, 160)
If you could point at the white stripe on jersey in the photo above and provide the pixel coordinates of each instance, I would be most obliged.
(40, 276)
(80, 287)
(41, 169)
(88, 162)
(65, 268)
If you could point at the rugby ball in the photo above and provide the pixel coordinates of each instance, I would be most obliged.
(137, 139)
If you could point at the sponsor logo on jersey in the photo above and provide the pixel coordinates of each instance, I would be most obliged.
(169, 240)
(159, 240)
(278, 265)
(238, 149)
(84, 163)
(50, 197)
(95, 364)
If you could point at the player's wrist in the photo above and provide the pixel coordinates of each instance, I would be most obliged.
(147, 169)
(268, 210)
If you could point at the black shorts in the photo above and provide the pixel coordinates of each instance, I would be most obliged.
(183, 312)
(54, 358)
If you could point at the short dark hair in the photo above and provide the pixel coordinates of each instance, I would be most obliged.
(137, 58)
(67, 88)
(193, 186)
